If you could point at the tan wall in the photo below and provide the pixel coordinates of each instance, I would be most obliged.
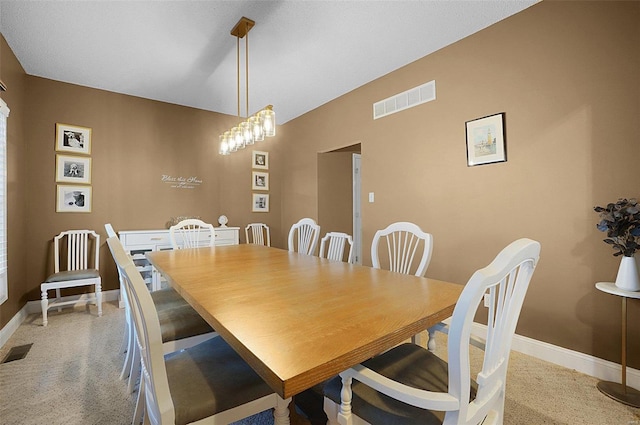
(566, 75)
(335, 192)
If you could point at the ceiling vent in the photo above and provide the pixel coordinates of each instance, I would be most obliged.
(405, 100)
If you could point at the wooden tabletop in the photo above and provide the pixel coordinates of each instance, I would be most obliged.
(299, 320)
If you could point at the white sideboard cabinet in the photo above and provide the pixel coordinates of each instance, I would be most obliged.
(138, 242)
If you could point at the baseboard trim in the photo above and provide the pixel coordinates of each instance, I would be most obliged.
(33, 307)
(570, 359)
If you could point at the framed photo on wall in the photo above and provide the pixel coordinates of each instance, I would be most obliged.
(259, 180)
(73, 198)
(486, 140)
(260, 202)
(260, 160)
(73, 169)
(71, 138)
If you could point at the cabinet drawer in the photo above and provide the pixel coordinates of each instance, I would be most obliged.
(132, 239)
(226, 237)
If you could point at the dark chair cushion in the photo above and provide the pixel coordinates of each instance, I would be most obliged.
(409, 364)
(73, 275)
(210, 378)
(167, 298)
(181, 322)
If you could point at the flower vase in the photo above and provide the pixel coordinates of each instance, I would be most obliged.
(628, 278)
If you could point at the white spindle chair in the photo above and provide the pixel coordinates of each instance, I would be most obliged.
(193, 234)
(205, 383)
(303, 236)
(258, 233)
(80, 270)
(408, 383)
(332, 246)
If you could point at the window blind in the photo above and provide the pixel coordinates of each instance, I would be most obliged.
(4, 114)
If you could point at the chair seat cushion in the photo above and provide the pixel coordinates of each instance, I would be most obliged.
(167, 298)
(210, 378)
(181, 322)
(72, 275)
(409, 364)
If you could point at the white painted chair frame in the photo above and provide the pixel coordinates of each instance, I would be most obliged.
(78, 242)
(303, 236)
(154, 397)
(191, 230)
(258, 234)
(502, 286)
(403, 240)
(334, 244)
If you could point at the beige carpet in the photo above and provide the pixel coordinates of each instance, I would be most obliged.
(71, 376)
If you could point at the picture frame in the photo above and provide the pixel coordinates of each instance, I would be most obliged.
(260, 160)
(260, 202)
(73, 169)
(71, 198)
(259, 180)
(486, 141)
(72, 138)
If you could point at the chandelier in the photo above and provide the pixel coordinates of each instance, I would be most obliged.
(261, 124)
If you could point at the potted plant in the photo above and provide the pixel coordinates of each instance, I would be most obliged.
(621, 221)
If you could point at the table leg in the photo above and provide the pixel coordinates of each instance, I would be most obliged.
(620, 392)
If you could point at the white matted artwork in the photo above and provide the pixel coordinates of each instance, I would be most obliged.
(72, 138)
(73, 198)
(260, 160)
(486, 140)
(73, 169)
(260, 202)
(259, 180)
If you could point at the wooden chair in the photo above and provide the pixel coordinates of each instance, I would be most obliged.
(334, 244)
(402, 240)
(193, 234)
(409, 384)
(78, 271)
(180, 324)
(303, 236)
(206, 383)
(258, 233)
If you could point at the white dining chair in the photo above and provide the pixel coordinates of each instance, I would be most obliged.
(181, 326)
(258, 233)
(205, 383)
(409, 384)
(80, 268)
(191, 233)
(399, 245)
(303, 236)
(333, 244)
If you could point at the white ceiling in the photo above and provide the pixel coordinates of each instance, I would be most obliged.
(302, 54)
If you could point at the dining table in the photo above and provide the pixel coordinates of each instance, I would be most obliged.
(297, 319)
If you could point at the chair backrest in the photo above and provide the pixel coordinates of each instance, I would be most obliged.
(109, 229)
(78, 250)
(403, 241)
(303, 236)
(258, 234)
(334, 243)
(192, 232)
(158, 403)
(502, 285)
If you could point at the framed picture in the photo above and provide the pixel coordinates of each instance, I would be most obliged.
(260, 160)
(73, 198)
(486, 140)
(73, 169)
(259, 180)
(260, 202)
(71, 138)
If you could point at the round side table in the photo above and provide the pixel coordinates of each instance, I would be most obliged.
(620, 392)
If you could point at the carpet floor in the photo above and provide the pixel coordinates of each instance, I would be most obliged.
(71, 376)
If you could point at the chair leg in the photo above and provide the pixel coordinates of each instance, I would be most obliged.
(58, 296)
(431, 343)
(128, 359)
(99, 298)
(44, 303)
(139, 410)
(281, 412)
